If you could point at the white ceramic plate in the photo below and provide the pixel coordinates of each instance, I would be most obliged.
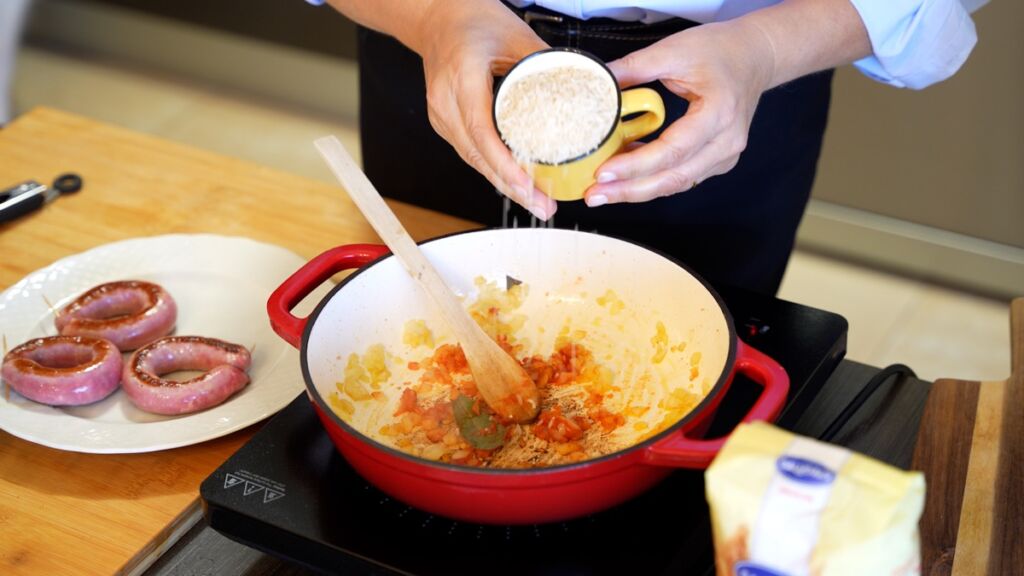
(221, 285)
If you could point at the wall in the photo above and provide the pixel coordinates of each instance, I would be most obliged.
(293, 23)
(950, 156)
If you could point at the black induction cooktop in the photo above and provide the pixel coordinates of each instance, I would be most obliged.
(289, 493)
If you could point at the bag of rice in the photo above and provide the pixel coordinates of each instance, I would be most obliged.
(786, 505)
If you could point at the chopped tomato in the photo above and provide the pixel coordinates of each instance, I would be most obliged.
(608, 420)
(436, 435)
(593, 398)
(436, 374)
(554, 427)
(407, 403)
(538, 370)
(509, 348)
(468, 387)
(581, 422)
(441, 412)
(452, 359)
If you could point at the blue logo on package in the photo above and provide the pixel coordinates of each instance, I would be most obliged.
(804, 471)
(751, 569)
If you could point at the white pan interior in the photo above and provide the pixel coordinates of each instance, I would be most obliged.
(566, 273)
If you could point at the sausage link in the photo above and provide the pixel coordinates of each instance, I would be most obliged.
(223, 364)
(63, 370)
(129, 313)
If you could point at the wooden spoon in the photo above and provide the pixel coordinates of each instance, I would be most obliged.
(502, 382)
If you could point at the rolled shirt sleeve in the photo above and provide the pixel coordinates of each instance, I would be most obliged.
(916, 43)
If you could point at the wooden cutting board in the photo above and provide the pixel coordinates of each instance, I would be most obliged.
(971, 448)
(68, 513)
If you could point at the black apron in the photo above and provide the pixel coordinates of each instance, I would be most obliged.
(736, 229)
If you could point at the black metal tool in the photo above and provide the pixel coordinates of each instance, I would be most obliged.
(28, 196)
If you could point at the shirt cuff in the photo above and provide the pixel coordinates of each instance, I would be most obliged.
(316, 2)
(915, 43)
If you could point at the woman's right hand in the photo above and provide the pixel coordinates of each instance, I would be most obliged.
(464, 45)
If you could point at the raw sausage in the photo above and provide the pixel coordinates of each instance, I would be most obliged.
(224, 365)
(63, 370)
(129, 313)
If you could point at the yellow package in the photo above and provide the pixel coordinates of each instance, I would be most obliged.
(786, 505)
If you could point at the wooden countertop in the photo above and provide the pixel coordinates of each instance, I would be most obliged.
(70, 513)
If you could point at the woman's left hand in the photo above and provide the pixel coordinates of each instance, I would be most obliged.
(721, 69)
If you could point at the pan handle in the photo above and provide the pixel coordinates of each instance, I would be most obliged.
(680, 451)
(306, 279)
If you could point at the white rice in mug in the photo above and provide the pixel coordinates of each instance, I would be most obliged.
(557, 114)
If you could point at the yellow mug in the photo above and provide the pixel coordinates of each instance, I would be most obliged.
(569, 179)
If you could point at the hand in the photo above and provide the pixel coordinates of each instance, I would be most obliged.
(721, 69)
(464, 45)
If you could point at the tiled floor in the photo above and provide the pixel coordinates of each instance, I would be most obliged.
(937, 331)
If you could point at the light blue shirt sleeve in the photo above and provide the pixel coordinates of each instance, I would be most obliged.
(916, 43)
(316, 2)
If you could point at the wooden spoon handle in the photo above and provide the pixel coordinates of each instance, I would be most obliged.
(503, 383)
(391, 231)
